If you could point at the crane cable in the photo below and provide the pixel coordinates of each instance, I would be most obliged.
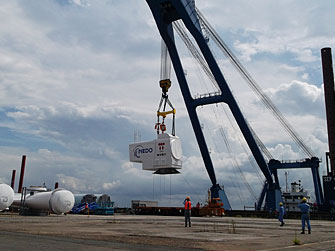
(165, 84)
(251, 160)
(254, 86)
(234, 181)
(199, 58)
(195, 52)
(236, 165)
(202, 62)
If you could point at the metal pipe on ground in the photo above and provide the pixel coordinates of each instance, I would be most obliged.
(23, 165)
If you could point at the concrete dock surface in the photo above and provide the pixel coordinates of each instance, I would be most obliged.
(144, 232)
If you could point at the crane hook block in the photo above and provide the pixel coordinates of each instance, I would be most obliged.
(162, 155)
(165, 84)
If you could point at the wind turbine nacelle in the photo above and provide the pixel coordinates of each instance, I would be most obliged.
(6, 196)
(163, 153)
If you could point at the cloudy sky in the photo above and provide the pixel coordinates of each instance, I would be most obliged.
(78, 78)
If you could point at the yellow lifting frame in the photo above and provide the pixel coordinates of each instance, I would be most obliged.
(163, 114)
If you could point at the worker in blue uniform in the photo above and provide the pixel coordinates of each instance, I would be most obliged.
(304, 207)
(188, 205)
(281, 214)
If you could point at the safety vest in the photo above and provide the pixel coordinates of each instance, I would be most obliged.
(188, 205)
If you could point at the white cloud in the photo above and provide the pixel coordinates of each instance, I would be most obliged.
(111, 185)
(299, 97)
(72, 183)
(272, 27)
(283, 152)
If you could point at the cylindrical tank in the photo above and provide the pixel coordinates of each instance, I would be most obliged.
(57, 201)
(6, 196)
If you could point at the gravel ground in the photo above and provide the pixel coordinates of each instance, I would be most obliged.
(135, 232)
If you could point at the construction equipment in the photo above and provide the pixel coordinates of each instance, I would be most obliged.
(214, 207)
(169, 14)
(166, 12)
(94, 203)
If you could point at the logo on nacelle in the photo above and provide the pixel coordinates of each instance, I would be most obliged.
(141, 150)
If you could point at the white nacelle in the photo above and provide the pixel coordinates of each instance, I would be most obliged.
(6, 196)
(162, 153)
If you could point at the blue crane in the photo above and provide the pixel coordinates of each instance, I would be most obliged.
(166, 12)
(312, 163)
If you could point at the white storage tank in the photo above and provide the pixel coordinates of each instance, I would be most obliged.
(162, 155)
(6, 196)
(57, 201)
